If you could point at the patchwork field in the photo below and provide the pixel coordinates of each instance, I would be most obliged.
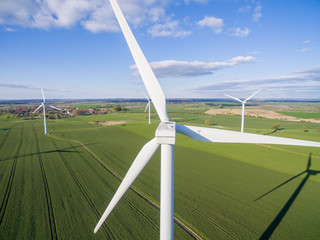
(288, 116)
(57, 186)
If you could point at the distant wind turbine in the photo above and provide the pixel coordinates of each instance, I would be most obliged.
(166, 137)
(43, 105)
(148, 106)
(243, 105)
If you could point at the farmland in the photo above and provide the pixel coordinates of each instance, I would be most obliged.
(57, 186)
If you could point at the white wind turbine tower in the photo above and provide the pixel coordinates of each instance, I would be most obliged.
(243, 105)
(166, 136)
(148, 106)
(43, 105)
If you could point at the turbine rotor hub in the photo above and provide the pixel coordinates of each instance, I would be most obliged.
(166, 133)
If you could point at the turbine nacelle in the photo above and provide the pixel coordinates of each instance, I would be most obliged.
(166, 133)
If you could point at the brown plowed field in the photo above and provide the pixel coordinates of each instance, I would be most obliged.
(108, 123)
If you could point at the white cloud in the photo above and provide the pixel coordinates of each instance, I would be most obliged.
(168, 29)
(292, 85)
(240, 32)
(254, 9)
(257, 13)
(256, 52)
(303, 50)
(310, 71)
(16, 12)
(8, 29)
(67, 13)
(178, 69)
(13, 85)
(245, 9)
(306, 47)
(44, 14)
(22, 86)
(216, 24)
(196, 1)
(93, 15)
(156, 13)
(101, 20)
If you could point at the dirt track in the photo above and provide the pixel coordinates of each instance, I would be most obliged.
(109, 123)
(259, 113)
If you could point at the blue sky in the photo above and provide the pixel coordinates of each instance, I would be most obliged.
(197, 48)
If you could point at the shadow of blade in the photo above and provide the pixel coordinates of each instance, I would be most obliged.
(269, 231)
(307, 171)
(280, 185)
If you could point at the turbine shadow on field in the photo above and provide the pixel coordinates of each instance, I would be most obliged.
(274, 131)
(270, 229)
(65, 150)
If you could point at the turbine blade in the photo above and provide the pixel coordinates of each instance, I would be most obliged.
(54, 107)
(44, 99)
(237, 99)
(148, 105)
(248, 98)
(150, 81)
(37, 108)
(138, 164)
(226, 136)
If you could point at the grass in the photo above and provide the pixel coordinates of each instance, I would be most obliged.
(216, 185)
(55, 189)
(306, 115)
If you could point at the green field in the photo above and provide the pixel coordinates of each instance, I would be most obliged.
(315, 115)
(54, 187)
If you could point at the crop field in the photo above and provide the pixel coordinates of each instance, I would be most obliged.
(302, 114)
(57, 186)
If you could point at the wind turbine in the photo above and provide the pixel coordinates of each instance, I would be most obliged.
(43, 105)
(148, 106)
(166, 137)
(243, 104)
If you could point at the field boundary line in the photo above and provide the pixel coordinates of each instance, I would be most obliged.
(152, 203)
(5, 138)
(52, 221)
(7, 193)
(285, 150)
(149, 221)
(84, 192)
